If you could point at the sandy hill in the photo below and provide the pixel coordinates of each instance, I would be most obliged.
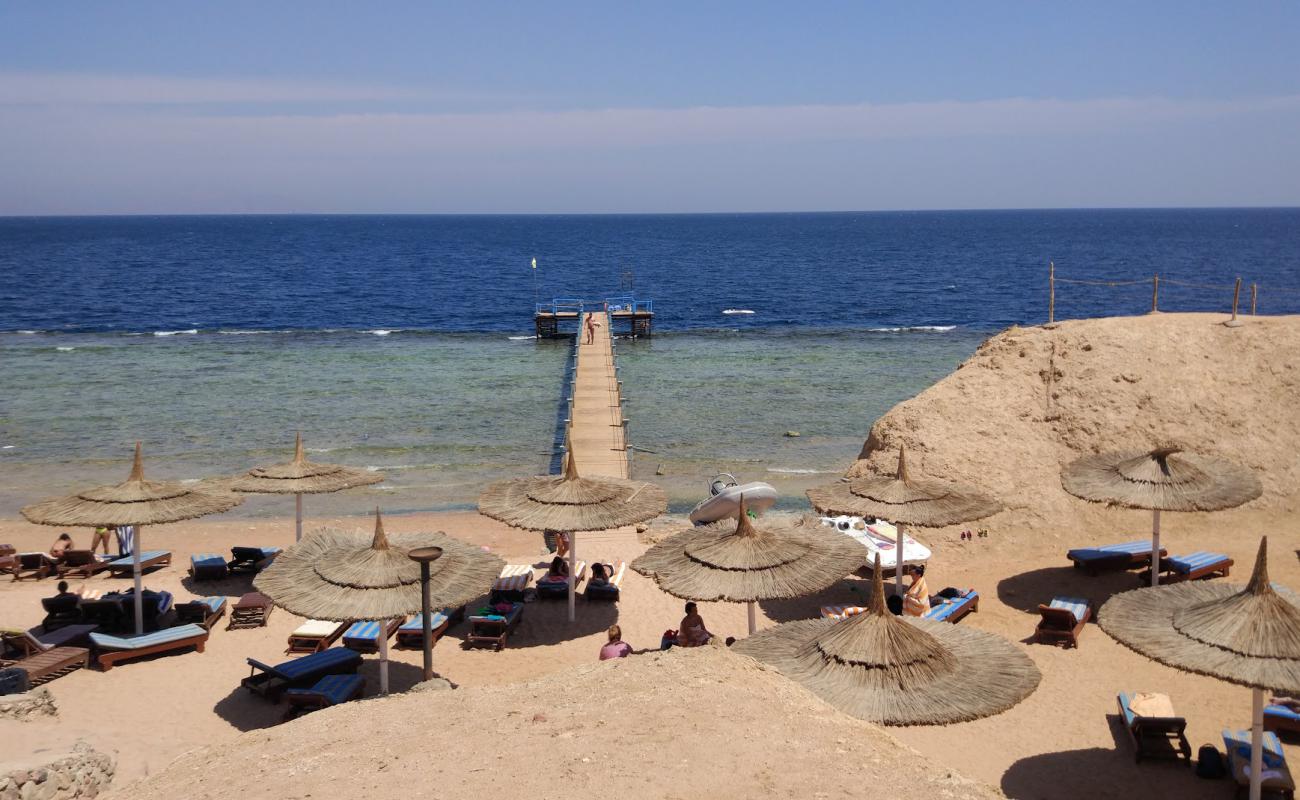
(701, 723)
(1032, 399)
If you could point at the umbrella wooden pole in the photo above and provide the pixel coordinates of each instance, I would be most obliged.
(1257, 744)
(383, 656)
(297, 537)
(573, 561)
(428, 621)
(139, 592)
(753, 619)
(1155, 547)
(898, 559)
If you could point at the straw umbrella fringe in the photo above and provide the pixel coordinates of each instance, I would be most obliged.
(1163, 479)
(346, 575)
(904, 500)
(743, 563)
(299, 477)
(898, 671)
(1248, 636)
(571, 503)
(135, 502)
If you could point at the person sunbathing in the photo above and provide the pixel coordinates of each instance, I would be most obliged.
(559, 569)
(600, 574)
(916, 601)
(692, 633)
(616, 647)
(61, 545)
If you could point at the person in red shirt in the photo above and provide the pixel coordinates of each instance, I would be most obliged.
(616, 648)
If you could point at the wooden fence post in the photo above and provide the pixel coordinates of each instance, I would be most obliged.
(1254, 288)
(1051, 291)
(1236, 295)
(1155, 293)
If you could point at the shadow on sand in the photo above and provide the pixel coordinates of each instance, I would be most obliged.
(546, 622)
(851, 591)
(1074, 773)
(233, 586)
(1026, 590)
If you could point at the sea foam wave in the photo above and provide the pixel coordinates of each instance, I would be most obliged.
(915, 329)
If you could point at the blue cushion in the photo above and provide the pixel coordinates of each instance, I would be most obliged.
(213, 603)
(366, 630)
(1077, 606)
(207, 560)
(1194, 561)
(1238, 743)
(942, 610)
(417, 622)
(335, 688)
(1282, 712)
(1129, 716)
(106, 642)
(317, 662)
(267, 552)
(127, 561)
(1110, 550)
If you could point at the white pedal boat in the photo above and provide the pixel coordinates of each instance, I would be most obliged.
(724, 499)
(880, 537)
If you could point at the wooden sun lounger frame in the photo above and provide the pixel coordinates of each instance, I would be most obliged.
(414, 640)
(1116, 561)
(1219, 569)
(271, 684)
(107, 658)
(493, 632)
(315, 644)
(306, 701)
(1155, 737)
(205, 617)
(364, 646)
(84, 570)
(1058, 625)
(45, 666)
(966, 604)
(128, 569)
(243, 616)
(48, 567)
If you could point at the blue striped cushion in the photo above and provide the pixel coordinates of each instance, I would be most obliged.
(326, 659)
(943, 610)
(1135, 547)
(145, 556)
(267, 552)
(213, 603)
(1240, 742)
(205, 560)
(367, 631)
(335, 688)
(1282, 712)
(1075, 605)
(417, 622)
(1194, 561)
(106, 642)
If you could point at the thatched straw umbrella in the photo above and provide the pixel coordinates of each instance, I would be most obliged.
(343, 576)
(299, 477)
(1249, 636)
(571, 503)
(135, 502)
(745, 563)
(1163, 479)
(904, 500)
(898, 670)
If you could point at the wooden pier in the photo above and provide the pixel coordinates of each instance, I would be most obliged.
(631, 316)
(596, 432)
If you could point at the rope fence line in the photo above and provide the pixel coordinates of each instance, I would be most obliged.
(1155, 281)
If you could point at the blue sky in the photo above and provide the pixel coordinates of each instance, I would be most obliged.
(185, 107)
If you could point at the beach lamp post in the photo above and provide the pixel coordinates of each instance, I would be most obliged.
(1163, 479)
(904, 500)
(137, 502)
(571, 503)
(298, 477)
(424, 556)
(746, 561)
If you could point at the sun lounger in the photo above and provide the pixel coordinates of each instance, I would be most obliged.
(1192, 567)
(364, 636)
(47, 665)
(106, 611)
(8, 564)
(1126, 555)
(34, 566)
(493, 629)
(251, 559)
(1275, 778)
(208, 567)
(1281, 718)
(1063, 620)
(60, 610)
(411, 634)
(80, 564)
(270, 682)
(315, 635)
(251, 611)
(555, 587)
(7, 550)
(204, 611)
(1155, 736)
(953, 604)
(510, 585)
(149, 559)
(328, 691)
(112, 649)
(611, 589)
(31, 642)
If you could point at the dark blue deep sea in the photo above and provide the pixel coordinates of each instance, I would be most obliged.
(403, 343)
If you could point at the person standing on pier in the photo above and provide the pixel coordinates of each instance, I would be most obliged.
(591, 328)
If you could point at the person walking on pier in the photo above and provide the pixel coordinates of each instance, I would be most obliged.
(591, 328)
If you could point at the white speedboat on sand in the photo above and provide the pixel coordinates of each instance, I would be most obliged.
(878, 536)
(724, 499)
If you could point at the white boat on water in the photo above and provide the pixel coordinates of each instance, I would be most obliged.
(879, 537)
(724, 499)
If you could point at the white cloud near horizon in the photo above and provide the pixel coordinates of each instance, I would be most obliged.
(997, 153)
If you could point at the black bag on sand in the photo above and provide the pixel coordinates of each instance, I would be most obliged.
(1209, 763)
(13, 681)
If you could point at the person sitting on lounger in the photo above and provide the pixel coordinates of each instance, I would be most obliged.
(600, 574)
(916, 601)
(63, 590)
(559, 569)
(616, 648)
(61, 545)
(692, 633)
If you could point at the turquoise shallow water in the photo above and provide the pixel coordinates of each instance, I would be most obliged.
(443, 413)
